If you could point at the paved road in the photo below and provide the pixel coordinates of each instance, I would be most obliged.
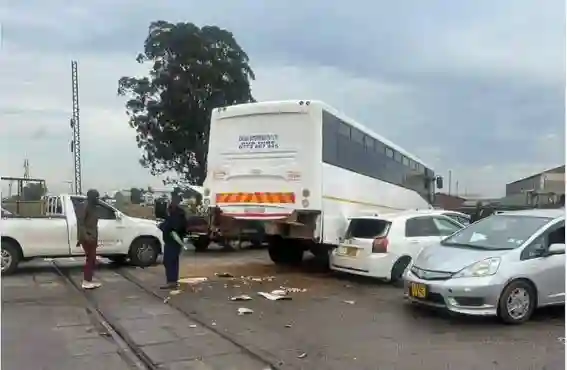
(336, 323)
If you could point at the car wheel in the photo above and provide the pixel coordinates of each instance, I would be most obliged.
(144, 252)
(517, 302)
(11, 257)
(398, 270)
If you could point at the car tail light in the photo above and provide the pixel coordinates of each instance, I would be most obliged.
(380, 245)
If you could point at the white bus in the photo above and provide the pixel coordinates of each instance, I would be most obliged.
(303, 169)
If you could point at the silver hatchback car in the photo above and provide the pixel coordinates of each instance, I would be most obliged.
(507, 265)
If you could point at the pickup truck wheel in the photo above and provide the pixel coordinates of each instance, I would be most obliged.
(144, 252)
(120, 259)
(10, 257)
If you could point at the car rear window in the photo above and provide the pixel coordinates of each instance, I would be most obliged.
(367, 228)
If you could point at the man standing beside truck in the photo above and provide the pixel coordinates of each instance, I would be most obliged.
(87, 236)
(174, 228)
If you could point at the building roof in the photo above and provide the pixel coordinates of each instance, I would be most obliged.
(558, 169)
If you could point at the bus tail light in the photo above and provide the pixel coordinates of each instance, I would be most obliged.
(380, 245)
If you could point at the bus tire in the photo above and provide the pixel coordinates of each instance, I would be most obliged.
(282, 254)
(202, 244)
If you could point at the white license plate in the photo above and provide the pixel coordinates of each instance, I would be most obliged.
(255, 210)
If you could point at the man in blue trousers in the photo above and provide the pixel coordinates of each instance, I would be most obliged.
(174, 229)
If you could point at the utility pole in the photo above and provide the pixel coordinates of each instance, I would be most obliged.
(76, 127)
(450, 181)
(457, 188)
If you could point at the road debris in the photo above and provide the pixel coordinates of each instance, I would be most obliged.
(244, 311)
(175, 292)
(279, 292)
(293, 290)
(166, 299)
(288, 325)
(242, 297)
(349, 302)
(303, 355)
(274, 297)
(223, 274)
(193, 280)
(192, 326)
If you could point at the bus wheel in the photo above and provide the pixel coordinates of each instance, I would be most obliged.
(201, 244)
(282, 253)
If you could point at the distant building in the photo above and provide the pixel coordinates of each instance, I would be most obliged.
(447, 201)
(550, 181)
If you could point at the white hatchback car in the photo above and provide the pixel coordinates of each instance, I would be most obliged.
(383, 246)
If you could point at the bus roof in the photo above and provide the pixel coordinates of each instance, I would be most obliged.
(289, 105)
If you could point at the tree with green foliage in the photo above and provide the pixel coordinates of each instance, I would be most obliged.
(193, 70)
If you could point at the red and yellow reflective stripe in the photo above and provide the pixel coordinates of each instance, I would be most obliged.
(257, 197)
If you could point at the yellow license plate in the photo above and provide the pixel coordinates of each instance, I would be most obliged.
(418, 290)
(348, 251)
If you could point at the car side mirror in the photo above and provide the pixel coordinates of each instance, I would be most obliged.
(118, 216)
(556, 248)
(439, 182)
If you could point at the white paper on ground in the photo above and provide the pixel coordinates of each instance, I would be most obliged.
(274, 297)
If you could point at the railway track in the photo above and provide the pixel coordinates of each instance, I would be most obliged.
(127, 348)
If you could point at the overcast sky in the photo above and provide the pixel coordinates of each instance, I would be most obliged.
(472, 86)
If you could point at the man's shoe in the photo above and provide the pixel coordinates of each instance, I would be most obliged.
(169, 286)
(90, 285)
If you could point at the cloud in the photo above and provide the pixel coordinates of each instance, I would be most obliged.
(474, 87)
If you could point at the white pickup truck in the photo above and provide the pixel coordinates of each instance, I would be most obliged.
(53, 234)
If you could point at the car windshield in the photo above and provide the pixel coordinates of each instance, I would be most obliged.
(497, 232)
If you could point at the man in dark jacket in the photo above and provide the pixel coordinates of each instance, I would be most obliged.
(87, 236)
(174, 229)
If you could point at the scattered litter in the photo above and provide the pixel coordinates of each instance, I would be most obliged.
(293, 290)
(174, 292)
(348, 302)
(194, 280)
(303, 355)
(258, 279)
(213, 324)
(274, 297)
(561, 339)
(279, 292)
(166, 299)
(288, 325)
(236, 286)
(223, 274)
(348, 286)
(244, 311)
(193, 326)
(242, 297)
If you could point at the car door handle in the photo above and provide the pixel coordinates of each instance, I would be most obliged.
(414, 242)
(120, 227)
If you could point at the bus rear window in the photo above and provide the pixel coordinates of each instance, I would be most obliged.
(367, 228)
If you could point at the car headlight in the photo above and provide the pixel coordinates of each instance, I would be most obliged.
(486, 267)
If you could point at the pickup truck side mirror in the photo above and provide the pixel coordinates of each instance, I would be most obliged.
(556, 248)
